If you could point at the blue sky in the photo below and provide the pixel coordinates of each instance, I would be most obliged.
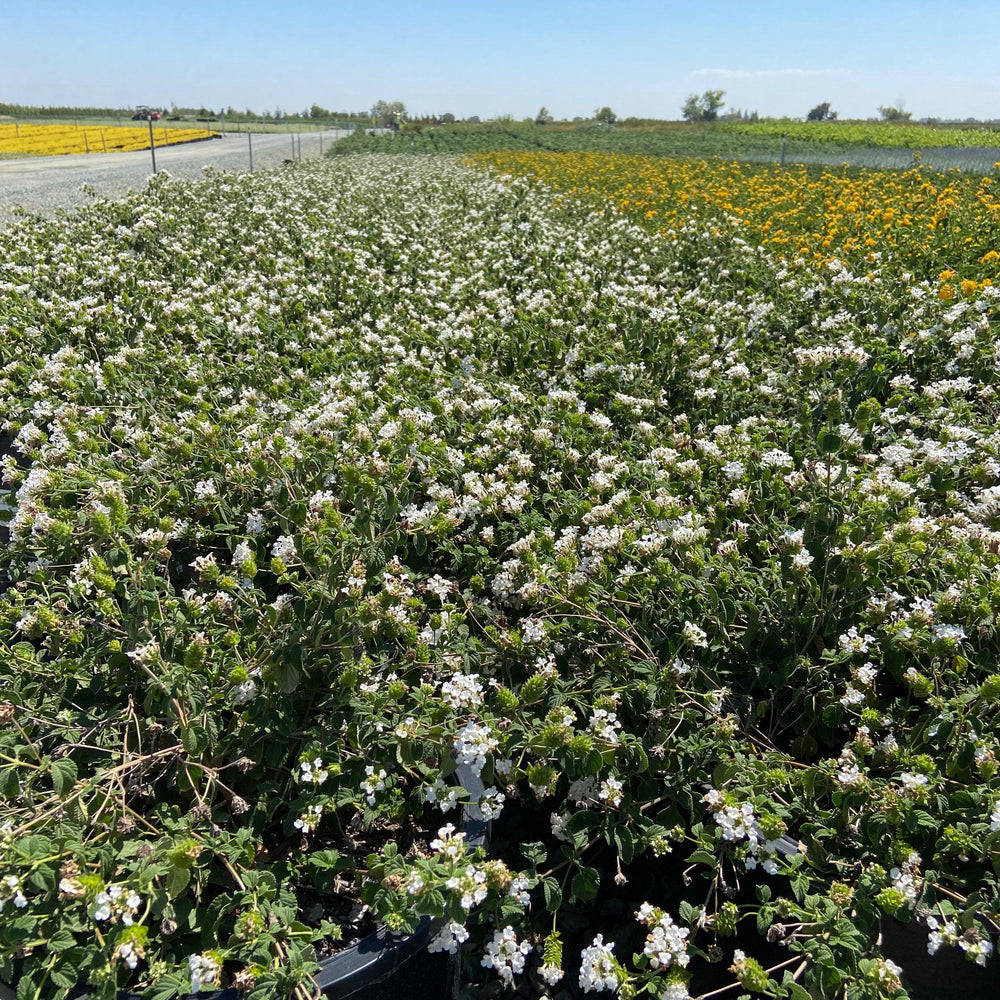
(640, 57)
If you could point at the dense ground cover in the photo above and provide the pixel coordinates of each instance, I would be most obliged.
(875, 134)
(55, 140)
(916, 223)
(327, 479)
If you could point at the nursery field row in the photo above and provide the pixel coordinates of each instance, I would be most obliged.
(871, 146)
(682, 538)
(56, 140)
(918, 222)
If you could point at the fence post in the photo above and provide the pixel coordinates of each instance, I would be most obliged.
(784, 139)
(152, 142)
(86, 145)
(103, 142)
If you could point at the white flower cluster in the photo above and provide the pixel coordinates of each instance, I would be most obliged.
(204, 970)
(491, 803)
(309, 820)
(519, 890)
(505, 955)
(449, 842)
(312, 771)
(373, 783)
(694, 634)
(246, 691)
(115, 904)
(738, 822)
(472, 745)
(284, 548)
(471, 883)
(906, 878)
(610, 792)
(850, 775)
(449, 938)
(598, 968)
(532, 631)
(977, 948)
(913, 784)
(605, 725)
(10, 892)
(853, 642)
(666, 943)
(462, 691)
(444, 796)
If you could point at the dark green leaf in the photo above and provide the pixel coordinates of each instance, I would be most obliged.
(586, 882)
(64, 775)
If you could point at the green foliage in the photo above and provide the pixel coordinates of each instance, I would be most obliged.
(894, 115)
(822, 113)
(704, 107)
(691, 545)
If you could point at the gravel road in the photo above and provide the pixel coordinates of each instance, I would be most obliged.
(44, 184)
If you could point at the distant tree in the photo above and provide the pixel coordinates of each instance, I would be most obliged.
(388, 113)
(318, 112)
(822, 113)
(704, 108)
(448, 118)
(891, 114)
(605, 115)
(543, 117)
(474, 119)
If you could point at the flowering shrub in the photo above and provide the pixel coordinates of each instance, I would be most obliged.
(324, 482)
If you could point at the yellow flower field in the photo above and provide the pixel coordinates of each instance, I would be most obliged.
(54, 140)
(921, 221)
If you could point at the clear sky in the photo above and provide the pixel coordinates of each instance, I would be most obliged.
(641, 57)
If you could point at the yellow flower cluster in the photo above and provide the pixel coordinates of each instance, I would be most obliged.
(921, 221)
(54, 140)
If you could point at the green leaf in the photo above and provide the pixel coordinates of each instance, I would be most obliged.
(800, 886)
(534, 853)
(287, 675)
(63, 974)
(34, 847)
(829, 443)
(177, 881)
(61, 940)
(792, 988)
(702, 857)
(553, 894)
(585, 884)
(64, 775)
(10, 783)
(625, 843)
(170, 985)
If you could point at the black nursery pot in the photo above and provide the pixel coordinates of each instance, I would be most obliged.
(358, 971)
